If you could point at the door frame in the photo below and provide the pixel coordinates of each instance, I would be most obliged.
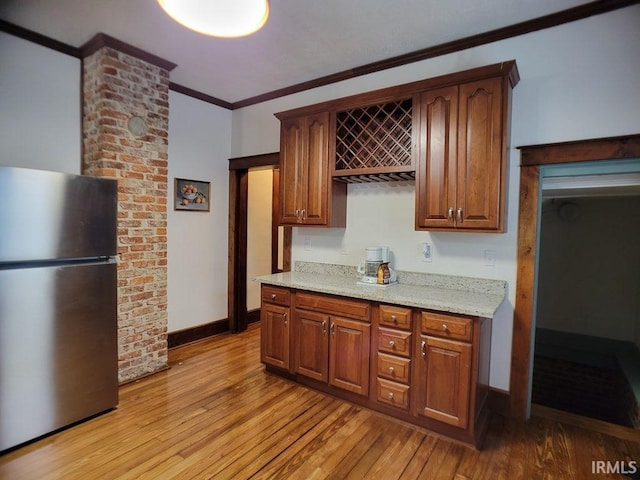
(237, 255)
(531, 159)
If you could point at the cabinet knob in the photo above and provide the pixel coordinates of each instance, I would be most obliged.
(390, 395)
(392, 343)
(391, 369)
(444, 326)
(394, 319)
(273, 296)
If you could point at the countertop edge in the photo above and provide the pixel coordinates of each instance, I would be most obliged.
(430, 298)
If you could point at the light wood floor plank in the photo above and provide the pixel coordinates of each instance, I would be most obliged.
(216, 414)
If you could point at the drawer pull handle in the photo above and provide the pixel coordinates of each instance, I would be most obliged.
(459, 215)
(392, 343)
(390, 395)
(273, 296)
(286, 322)
(444, 326)
(391, 369)
(423, 348)
(324, 327)
(394, 319)
(450, 214)
(333, 329)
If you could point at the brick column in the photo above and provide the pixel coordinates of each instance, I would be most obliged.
(125, 135)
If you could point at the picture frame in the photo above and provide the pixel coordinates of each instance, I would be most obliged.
(191, 195)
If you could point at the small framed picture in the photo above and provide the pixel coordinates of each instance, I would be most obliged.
(191, 195)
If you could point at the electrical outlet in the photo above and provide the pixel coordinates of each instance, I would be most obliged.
(427, 252)
(490, 258)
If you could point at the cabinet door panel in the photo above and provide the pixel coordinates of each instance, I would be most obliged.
(436, 167)
(444, 383)
(315, 189)
(291, 150)
(480, 147)
(349, 355)
(274, 322)
(311, 345)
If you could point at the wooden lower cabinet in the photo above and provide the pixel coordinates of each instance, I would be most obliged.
(451, 376)
(311, 345)
(274, 339)
(349, 355)
(330, 348)
(444, 377)
(424, 367)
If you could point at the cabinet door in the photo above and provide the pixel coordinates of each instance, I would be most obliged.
(311, 345)
(481, 170)
(315, 186)
(443, 385)
(291, 154)
(274, 322)
(349, 355)
(436, 166)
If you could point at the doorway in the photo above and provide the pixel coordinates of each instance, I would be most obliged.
(532, 159)
(587, 315)
(280, 252)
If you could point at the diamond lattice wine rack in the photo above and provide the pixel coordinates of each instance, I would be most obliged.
(373, 143)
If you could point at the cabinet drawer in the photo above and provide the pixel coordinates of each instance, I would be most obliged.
(279, 296)
(392, 393)
(394, 368)
(395, 317)
(394, 341)
(447, 326)
(344, 307)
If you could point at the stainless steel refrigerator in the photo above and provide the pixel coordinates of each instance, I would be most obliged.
(58, 327)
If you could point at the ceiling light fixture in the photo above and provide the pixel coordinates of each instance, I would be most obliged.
(219, 18)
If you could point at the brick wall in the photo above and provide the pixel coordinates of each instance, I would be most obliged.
(125, 135)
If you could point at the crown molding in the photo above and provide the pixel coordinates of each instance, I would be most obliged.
(103, 40)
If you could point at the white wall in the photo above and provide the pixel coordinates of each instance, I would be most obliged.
(259, 206)
(41, 127)
(589, 280)
(578, 81)
(40, 116)
(199, 149)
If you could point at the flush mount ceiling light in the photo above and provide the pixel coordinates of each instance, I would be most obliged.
(219, 18)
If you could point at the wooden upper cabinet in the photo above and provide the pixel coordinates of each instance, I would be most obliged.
(308, 196)
(461, 172)
(291, 152)
(451, 132)
(436, 172)
(482, 156)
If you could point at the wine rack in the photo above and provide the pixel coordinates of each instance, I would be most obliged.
(373, 143)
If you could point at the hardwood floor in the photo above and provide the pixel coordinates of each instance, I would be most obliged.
(216, 414)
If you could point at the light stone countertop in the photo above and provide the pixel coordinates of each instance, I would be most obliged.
(463, 295)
